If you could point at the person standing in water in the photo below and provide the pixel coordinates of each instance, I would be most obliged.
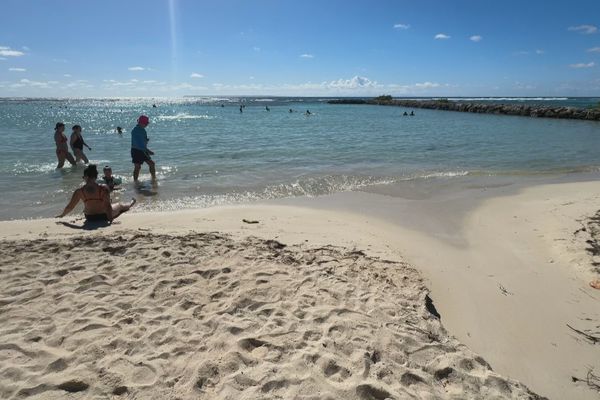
(62, 148)
(77, 144)
(140, 153)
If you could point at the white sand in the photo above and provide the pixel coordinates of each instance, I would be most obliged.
(317, 330)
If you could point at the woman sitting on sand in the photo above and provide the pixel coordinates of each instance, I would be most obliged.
(96, 199)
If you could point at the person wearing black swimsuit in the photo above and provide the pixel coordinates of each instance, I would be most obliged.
(77, 144)
(96, 199)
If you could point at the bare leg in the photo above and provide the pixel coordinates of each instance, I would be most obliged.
(136, 171)
(77, 154)
(70, 158)
(152, 166)
(84, 157)
(61, 160)
(119, 208)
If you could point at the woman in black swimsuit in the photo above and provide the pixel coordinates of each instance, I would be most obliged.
(77, 144)
(96, 199)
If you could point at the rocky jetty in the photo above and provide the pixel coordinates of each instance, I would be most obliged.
(525, 110)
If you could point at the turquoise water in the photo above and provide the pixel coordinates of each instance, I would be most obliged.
(207, 154)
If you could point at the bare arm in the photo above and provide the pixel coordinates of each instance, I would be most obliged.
(74, 200)
(107, 205)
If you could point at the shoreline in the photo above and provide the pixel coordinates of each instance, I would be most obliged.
(522, 236)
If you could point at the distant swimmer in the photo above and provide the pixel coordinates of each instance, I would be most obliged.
(267, 108)
(412, 113)
(77, 144)
(140, 153)
(153, 105)
(241, 109)
(119, 130)
(291, 111)
(62, 148)
(96, 200)
(222, 105)
(405, 113)
(307, 112)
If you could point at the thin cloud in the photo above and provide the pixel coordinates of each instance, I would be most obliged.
(136, 68)
(583, 65)
(584, 29)
(256, 48)
(25, 48)
(540, 51)
(476, 38)
(305, 55)
(8, 52)
(196, 75)
(401, 26)
(67, 75)
(594, 50)
(441, 36)
(17, 69)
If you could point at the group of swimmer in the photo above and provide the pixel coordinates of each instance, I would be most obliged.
(95, 193)
(242, 106)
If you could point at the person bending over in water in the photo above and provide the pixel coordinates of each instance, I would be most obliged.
(62, 149)
(119, 130)
(77, 144)
(140, 153)
(96, 199)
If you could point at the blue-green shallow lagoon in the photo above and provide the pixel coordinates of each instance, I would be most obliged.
(207, 154)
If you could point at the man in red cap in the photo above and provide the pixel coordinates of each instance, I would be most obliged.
(140, 153)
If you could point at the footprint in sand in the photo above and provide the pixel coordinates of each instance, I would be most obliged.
(135, 374)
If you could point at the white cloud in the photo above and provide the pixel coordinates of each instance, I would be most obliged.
(17, 69)
(401, 26)
(583, 65)
(67, 75)
(8, 52)
(196, 75)
(306, 55)
(594, 50)
(584, 29)
(441, 36)
(251, 77)
(256, 48)
(476, 38)
(427, 85)
(540, 51)
(38, 84)
(25, 48)
(60, 60)
(352, 83)
(136, 68)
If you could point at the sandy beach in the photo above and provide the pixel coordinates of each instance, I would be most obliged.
(320, 298)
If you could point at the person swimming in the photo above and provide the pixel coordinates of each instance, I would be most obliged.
(96, 199)
(307, 112)
(291, 111)
(405, 113)
(77, 144)
(241, 109)
(267, 108)
(119, 130)
(62, 149)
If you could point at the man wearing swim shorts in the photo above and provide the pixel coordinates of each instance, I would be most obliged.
(140, 153)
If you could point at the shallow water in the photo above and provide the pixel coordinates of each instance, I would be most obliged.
(207, 154)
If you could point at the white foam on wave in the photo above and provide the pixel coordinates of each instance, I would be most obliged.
(182, 116)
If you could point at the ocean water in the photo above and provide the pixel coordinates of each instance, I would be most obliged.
(208, 155)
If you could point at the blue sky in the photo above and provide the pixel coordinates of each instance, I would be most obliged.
(73, 48)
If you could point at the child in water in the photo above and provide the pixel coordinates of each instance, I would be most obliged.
(109, 180)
